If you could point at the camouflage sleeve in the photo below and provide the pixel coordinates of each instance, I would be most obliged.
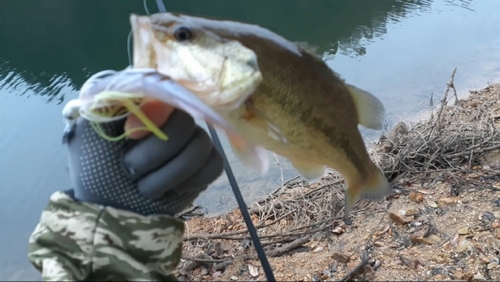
(82, 241)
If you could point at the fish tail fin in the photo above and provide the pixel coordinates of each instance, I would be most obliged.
(374, 188)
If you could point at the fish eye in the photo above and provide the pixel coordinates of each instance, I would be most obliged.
(183, 34)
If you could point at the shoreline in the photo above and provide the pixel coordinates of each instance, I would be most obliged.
(439, 168)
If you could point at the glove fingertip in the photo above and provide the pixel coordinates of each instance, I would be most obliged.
(150, 191)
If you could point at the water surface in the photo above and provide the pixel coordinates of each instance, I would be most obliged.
(401, 51)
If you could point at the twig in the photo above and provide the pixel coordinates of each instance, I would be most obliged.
(222, 235)
(204, 260)
(444, 102)
(477, 151)
(274, 253)
(365, 259)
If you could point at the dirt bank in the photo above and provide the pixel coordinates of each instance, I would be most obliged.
(442, 222)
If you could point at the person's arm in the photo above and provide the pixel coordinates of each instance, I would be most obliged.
(118, 223)
(82, 241)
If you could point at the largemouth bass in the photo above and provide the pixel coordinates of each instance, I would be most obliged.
(301, 109)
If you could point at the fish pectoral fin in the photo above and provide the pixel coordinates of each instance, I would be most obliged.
(311, 173)
(253, 115)
(371, 112)
(248, 154)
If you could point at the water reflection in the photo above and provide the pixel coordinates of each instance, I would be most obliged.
(54, 41)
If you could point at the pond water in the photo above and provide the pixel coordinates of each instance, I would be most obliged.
(401, 51)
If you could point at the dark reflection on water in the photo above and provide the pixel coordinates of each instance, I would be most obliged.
(56, 41)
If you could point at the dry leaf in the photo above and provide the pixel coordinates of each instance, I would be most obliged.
(417, 239)
(411, 263)
(318, 249)
(254, 270)
(378, 234)
(338, 230)
(434, 238)
(454, 240)
(416, 197)
(412, 211)
(397, 218)
(458, 274)
(340, 258)
(447, 201)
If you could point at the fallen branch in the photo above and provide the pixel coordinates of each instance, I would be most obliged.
(274, 253)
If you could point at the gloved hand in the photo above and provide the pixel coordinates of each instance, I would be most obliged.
(147, 176)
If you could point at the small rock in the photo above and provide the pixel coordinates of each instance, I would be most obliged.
(464, 244)
(489, 216)
(497, 203)
(397, 218)
(479, 276)
(340, 257)
(495, 224)
(318, 249)
(217, 274)
(463, 230)
(447, 201)
(416, 197)
(436, 271)
(432, 204)
(497, 233)
(496, 214)
(234, 278)
(492, 265)
(254, 270)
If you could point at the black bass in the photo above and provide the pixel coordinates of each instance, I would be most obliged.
(298, 107)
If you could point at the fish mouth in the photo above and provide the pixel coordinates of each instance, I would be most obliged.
(144, 55)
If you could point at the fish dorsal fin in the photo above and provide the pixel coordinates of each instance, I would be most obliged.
(371, 112)
(311, 49)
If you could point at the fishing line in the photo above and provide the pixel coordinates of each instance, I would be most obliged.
(236, 190)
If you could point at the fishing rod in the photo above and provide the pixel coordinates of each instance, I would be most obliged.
(237, 193)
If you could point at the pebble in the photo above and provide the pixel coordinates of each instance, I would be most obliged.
(492, 265)
(463, 230)
(497, 233)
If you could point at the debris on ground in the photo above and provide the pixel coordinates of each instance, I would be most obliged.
(442, 221)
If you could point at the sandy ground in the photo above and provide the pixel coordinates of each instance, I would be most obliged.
(440, 223)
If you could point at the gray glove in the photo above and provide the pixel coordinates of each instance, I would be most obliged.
(147, 176)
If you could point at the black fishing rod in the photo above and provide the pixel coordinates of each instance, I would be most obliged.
(237, 193)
